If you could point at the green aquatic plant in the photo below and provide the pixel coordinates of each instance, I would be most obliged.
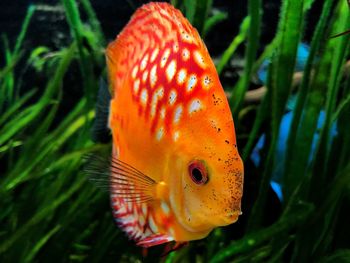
(51, 212)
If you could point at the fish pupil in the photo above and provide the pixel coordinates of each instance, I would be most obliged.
(197, 175)
(198, 172)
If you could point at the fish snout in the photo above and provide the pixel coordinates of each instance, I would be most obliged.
(231, 214)
(231, 217)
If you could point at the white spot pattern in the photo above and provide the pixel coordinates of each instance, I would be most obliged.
(162, 113)
(186, 37)
(194, 106)
(177, 114)
(192, 81)
(153, 76)
(198, 58)
(144, 62)
(170, 70)
(160, 134)
(176, 47)
(185, 54)
(136, 85)
(165, 57)
(206, 81)
(181, 76)
(154, 54)
(134, 71)
(172, 97)
(144, 96)
(176, 136)
(144, 76)
(156, 96)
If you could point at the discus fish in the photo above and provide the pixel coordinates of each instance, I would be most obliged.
(175, 169)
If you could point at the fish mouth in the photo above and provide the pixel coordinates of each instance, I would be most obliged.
(231, 217)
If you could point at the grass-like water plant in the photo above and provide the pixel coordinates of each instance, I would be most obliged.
(50, 212)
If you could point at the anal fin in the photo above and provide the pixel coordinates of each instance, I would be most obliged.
(154, 240)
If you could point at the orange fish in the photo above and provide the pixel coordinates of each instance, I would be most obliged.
(175, 172)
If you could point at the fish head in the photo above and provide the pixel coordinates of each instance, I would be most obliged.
(208, 164)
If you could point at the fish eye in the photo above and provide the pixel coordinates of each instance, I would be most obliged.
(198, 172)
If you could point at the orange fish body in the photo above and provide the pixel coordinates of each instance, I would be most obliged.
(176, 173)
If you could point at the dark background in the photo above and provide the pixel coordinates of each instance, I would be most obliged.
(49, 28)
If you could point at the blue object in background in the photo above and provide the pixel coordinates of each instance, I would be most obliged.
(278, 170)
(280, 154)
(276, 179)
(302, 54)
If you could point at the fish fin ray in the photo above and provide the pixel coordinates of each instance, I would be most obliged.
(154, 240)
(97, 170)
(129, 183)
(120, 178)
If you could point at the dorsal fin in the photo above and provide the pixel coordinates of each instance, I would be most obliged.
(112, 57)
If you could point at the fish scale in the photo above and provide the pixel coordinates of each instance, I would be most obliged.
(168, 115)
